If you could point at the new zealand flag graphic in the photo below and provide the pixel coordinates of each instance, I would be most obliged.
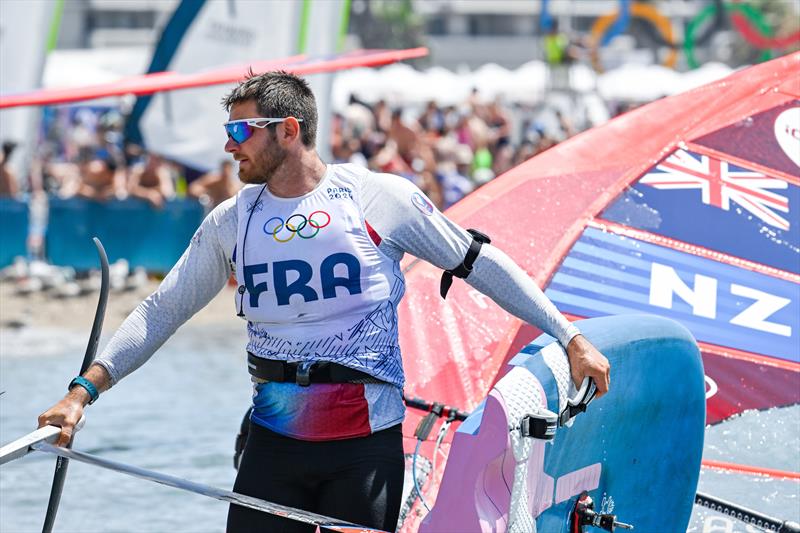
(704, 200)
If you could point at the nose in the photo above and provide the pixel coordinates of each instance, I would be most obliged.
(231, 146)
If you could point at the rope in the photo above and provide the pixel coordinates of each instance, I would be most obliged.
(414, 476)
(747, 469)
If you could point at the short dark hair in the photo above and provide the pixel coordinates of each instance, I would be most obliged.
(279, 94)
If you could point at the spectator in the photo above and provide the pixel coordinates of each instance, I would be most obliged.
(387, 159)
(405, 137)
(348, 151)
(445, 150)
(383, 116)
(98, 177)
(358, 117)
(152, 182)
(499, 122)
(556, 45)
(503, 157)
(432, 119)
(213, 188)
(428, 184)
(9, 186)
(524, 152)
(453, 171)
(482, 166)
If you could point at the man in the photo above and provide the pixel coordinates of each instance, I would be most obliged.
(152, 182)
(98, 177)
(315, 249)
(213, 188)
(9, 185)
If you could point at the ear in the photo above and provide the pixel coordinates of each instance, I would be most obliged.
(291, 130)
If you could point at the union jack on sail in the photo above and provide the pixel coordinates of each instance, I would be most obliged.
(720, 183)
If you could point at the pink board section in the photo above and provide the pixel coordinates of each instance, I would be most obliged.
(478, 485)
(574, 483)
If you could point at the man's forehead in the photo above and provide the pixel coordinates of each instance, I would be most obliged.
(244, 109)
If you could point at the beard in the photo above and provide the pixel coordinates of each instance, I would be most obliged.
(261, 169)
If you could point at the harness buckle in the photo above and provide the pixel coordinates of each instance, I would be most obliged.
(303, 374)
(541, 425)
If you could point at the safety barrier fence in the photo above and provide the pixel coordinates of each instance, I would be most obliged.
(13, 229)
(130, 229)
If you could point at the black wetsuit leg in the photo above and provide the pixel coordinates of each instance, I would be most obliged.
(366, 486)
(359, 480)
(272, 468)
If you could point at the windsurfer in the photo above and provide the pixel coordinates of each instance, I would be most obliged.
(315, 249)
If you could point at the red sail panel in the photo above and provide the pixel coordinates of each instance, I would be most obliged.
(770, 138)
(736, 384)
(535, 212)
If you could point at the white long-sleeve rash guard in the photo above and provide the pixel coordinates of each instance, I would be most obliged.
(206, 265)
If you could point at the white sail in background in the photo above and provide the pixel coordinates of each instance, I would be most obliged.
(24, 27)
(323, 33)
(186, 125)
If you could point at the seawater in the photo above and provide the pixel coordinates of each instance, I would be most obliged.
(767, 439)
(180, 412)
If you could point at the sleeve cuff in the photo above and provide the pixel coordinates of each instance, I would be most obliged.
(109, 368)
(568, 335)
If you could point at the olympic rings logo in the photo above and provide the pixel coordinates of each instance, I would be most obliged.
(296, 224)
(747, 20)
(601, 34)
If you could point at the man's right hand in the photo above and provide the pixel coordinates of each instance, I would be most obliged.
(68, 412)
(65, 414)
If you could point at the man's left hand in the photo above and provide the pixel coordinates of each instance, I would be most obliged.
(586, 360)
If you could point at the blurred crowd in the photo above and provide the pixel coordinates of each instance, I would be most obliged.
(447, 151)
(83, 154)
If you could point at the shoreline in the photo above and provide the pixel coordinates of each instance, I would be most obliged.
(43, 310)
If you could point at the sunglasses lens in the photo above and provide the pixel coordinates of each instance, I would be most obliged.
(238, 131)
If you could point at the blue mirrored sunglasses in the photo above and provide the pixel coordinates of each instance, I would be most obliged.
(242, 129)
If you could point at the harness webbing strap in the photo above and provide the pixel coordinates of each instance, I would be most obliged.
(306, 372)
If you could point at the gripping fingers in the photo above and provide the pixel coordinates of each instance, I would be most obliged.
(69, 422)
(602, 383)
(586, 360)
(66, 436)
(68, 432)
(66, 428)
(598, 368)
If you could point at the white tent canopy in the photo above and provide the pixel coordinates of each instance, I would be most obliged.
(79, 68)
(402, 84)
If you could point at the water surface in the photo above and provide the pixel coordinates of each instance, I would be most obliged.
(179, 414)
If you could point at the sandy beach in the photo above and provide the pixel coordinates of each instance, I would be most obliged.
(41, 309)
